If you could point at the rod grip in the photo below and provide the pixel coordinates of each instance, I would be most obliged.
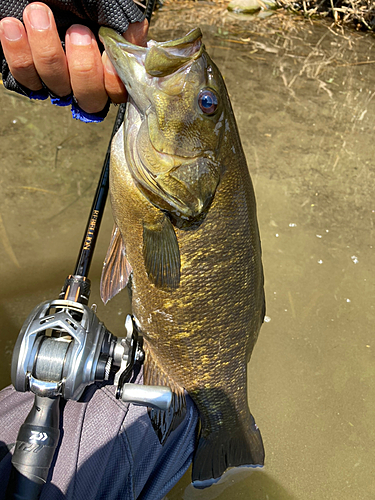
(36, 444)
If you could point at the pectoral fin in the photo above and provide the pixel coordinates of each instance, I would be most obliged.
(161, 254)
(116, 268)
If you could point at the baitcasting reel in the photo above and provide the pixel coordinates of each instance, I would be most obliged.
(63, 347)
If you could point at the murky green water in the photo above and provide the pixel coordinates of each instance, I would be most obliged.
(305, 109)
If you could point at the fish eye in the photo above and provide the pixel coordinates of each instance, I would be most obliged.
(208, 101)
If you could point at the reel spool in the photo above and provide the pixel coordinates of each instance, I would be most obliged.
(62, 347)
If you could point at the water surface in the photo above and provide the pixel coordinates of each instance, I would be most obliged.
(303, 99)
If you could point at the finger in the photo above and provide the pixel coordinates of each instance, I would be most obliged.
(136, 34)
(17, 52)
(113, 84)
(85, 68)
(48, 54)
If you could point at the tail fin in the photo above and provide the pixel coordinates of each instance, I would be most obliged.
(218, 451)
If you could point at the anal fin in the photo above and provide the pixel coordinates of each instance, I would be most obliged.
(163, 422)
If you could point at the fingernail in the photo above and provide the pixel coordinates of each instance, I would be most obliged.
(108, 65)
(38, 17)
(80, 35)
(11, 30)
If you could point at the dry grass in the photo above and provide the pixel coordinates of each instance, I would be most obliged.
(358, 13)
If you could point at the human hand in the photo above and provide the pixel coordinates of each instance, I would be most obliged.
(34, 53)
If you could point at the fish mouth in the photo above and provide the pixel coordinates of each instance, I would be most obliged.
(137, 66)
(158, 58)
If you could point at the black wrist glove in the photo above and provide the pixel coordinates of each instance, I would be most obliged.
(116, 14)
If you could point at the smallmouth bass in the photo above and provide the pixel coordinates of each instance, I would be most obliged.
(186, 230)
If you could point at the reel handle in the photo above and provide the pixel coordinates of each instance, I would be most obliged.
(154, 396)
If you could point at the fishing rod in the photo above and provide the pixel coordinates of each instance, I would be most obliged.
(63, 347)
